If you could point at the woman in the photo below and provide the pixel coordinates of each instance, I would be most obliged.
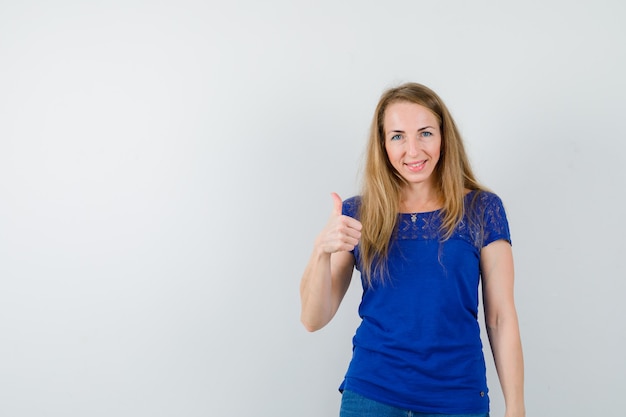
(423, 233)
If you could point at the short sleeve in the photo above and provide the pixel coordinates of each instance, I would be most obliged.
(351, 207)
(496, 225)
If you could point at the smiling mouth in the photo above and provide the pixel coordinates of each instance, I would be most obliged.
(416, 165)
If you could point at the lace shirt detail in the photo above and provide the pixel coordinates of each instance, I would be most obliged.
(484, 221)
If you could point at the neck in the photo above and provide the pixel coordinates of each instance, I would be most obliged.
(418, 201)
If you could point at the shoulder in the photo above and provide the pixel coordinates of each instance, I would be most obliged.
(483, 198)
(351, 206)
(482, 202)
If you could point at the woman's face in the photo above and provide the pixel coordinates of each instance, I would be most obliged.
(412, 141)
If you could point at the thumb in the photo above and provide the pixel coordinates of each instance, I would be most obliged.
(337, 204)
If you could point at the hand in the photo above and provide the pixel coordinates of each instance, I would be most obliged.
(342, 233)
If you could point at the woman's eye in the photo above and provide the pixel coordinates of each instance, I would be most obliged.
(426, 134)
(396, 137)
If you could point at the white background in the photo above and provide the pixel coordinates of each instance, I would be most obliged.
(166, 165)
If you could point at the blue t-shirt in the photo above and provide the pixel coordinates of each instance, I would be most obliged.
(418, 346)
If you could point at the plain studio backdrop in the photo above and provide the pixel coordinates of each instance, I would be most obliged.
(165, 167)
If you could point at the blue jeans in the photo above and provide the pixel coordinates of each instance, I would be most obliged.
(355, 405)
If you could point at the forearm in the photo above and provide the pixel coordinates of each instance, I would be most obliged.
(506, 347)
(316, 292)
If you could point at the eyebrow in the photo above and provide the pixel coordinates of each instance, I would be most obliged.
(402, 131)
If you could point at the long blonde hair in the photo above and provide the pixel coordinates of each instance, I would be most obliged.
(382, 184)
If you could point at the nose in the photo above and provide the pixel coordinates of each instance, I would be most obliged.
(414, 147)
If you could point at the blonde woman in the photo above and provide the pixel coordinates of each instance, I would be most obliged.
(423, 233)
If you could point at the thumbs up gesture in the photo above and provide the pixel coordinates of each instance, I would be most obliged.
(342, 233)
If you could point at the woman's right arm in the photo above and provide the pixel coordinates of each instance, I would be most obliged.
(327, 276)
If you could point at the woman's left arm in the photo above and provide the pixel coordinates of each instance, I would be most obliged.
(497, 272)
